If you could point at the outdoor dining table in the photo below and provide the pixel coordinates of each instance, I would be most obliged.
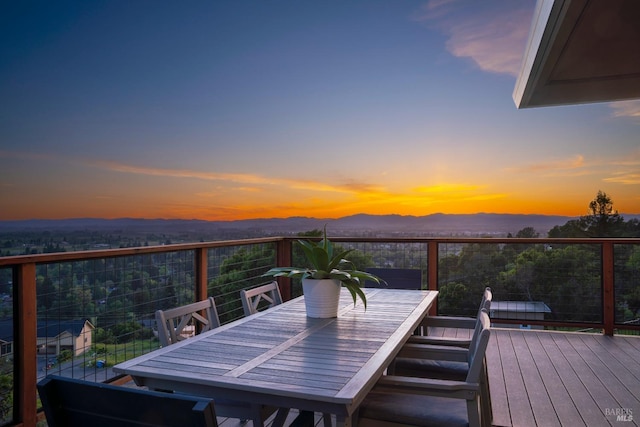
(281, 357)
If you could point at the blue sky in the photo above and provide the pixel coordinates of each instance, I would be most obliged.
(245, 109)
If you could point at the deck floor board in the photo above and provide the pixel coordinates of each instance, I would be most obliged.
(567, 379)
(563, 406)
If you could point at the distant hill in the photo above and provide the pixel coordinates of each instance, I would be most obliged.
(356, 225)
(450, 224)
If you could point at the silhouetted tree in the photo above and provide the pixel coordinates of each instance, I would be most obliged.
(601, 221)
(527, 232)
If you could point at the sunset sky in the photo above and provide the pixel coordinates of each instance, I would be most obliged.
(224, 110)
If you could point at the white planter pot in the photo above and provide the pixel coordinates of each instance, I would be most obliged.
(321, 297)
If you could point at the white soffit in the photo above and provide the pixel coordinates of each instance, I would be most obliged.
(581, 51)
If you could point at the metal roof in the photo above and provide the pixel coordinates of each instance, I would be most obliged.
(520, 306)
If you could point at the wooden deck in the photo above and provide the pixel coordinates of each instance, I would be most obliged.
(541, 378)
(546, 379)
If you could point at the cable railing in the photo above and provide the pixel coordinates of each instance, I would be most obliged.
(79, 313)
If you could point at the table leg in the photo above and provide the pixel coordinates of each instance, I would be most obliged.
(342, 421)
(281, 417)
(304, 419)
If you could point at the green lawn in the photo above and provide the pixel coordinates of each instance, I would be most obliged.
(112, 354)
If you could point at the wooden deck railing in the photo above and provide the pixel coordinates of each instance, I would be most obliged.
(25, 308)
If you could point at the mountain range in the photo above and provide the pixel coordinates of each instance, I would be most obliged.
(361, 224)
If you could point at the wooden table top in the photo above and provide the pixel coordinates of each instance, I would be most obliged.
(281, 357)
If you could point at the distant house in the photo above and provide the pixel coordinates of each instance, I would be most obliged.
(6, 337)
(73, 335)
(53, 337)
(520, 310)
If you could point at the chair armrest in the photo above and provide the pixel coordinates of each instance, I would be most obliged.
(427, 386)
(421, 351)
(449, 322)
(425, 339)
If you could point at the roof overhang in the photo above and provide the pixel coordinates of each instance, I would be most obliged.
(581, 51)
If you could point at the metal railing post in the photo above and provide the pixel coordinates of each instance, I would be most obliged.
(201, 276)
(432, 272)
(25, 333)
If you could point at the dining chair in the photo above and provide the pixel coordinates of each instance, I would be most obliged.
(260, 298)
(395, 278)
(177, 324)
(418, 401)
(454, 322)
(69, 402)
(446, 363)
(181, 323)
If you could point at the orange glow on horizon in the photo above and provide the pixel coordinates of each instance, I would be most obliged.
(279, 203)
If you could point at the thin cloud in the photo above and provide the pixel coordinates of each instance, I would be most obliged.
(628, 172)
(571, 164)
(577, 166)
(247, 182)
(447, 188)
(434, 9)
(493, 39)
(362, 187)
(626, 109)
(627, 178)
(632, 159)
(228, 177)
(455, 192)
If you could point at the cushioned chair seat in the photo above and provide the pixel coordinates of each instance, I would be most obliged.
(415, 410)
(431, 368)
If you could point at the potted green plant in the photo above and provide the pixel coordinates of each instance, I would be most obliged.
(328, 270)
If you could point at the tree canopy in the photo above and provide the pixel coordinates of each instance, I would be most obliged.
(602, 220)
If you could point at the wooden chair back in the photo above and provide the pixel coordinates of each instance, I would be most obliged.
(485, 303)
(485, 306)
(204, 316)
(69, 402)
(262, 297)
(180, 323)
(478, 347)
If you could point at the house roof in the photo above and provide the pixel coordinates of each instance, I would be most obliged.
(581, 51)
(520, 306)
(53, 329)
(6, 330)
(45, 329)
